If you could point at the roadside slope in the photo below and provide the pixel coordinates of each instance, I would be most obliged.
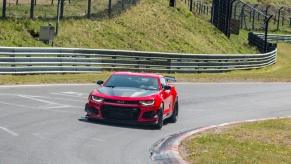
(151, 26)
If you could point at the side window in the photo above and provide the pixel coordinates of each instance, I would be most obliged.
(163, 82)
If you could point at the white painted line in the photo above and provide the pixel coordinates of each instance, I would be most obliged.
(9, 131)
(67, 95)
(74, 93)
(44, 85)
(66, 99)
(56, 105)
(34, 98)
(35, 108)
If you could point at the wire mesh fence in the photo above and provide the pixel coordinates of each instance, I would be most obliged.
(250, 16)
(47, 9)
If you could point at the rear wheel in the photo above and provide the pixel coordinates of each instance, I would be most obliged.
(174, 116)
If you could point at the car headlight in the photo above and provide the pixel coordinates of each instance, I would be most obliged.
(147, 102)
(97, 99)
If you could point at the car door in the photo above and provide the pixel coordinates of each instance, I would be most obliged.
(166, 94)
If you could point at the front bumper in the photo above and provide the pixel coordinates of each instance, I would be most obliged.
(122, 113)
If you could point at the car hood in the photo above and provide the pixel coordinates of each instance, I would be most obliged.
(126, 92)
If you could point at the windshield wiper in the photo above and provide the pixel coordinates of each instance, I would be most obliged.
(151, 89)
(110, 86)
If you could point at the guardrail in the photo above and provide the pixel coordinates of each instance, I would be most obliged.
(260, 43)
(15, 60)
(275, 38)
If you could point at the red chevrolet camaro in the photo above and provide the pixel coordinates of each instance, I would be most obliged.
(128, 97)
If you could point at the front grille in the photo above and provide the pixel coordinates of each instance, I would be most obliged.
(120, 102)
(120, 113)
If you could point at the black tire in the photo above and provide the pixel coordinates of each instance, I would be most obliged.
(90, 119)
(160, 123)
(173, 118)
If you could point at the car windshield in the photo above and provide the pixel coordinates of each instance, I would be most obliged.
(148, 83)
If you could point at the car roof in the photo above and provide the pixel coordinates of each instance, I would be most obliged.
(138, 74)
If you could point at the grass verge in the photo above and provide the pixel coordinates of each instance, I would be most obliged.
(260, 142)
(280, 72)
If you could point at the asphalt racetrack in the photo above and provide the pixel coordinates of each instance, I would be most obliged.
(45, 124)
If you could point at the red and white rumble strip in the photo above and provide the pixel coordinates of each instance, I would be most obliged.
(167, 149)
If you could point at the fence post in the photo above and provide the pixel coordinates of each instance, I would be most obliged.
(242, 14)
(275, 19)
(172, 3)
(290, 22)
(58, 16)
(254, 14)
(267, 10)
(4, 9)
(207, 9)
(191, 5)
(122, 4)
(109, 8)
(279, 15)
(266, 32)
(62, 9)
(283, 19)
(32, 9)
(89, 9)
(235, 7)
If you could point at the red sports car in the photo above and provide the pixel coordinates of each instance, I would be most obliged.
(134, 98)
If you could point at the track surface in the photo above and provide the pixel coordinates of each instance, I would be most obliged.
(43, 124)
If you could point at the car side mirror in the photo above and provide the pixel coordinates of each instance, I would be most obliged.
(167, 87)
(100, 82)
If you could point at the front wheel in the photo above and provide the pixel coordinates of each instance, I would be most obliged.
(160, 123)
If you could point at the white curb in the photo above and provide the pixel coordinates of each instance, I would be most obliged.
(167, 150)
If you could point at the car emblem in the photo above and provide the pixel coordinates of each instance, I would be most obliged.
(121, 102)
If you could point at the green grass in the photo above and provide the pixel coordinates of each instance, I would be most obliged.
(280, 72)
(259, 142)
(151, 25)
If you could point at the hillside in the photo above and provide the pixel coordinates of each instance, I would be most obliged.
(151, 26)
